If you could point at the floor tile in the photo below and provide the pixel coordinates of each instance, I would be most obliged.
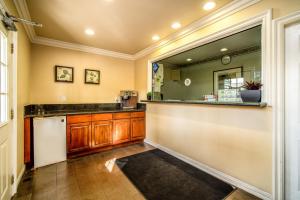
(93, 177)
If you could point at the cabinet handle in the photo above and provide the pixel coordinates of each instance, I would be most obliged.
(70, 138)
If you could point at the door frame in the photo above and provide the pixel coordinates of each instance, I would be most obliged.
(279, 26)
(14, 135)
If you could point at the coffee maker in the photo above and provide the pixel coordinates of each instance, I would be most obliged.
(129, 99)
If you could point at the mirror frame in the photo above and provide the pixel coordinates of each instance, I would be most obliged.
(264, 19)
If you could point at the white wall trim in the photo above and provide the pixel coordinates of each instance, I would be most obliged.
(229, 9)
(18, 180)
(279, 101)
(14, 136)
(79, 47)
(218, 174)
(23, 12)
(265, 19)
(2, 3)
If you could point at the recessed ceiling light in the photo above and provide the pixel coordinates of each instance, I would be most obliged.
(176, 25)
(223, 49)
(89, 31)
(155, 37)
(209, 5)
(189, 59)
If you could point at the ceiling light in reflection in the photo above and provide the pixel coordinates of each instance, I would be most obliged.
(223, 49)
(209, 5)
(189, 59)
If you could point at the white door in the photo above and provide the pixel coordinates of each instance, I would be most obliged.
(292, 112)
(5, 122)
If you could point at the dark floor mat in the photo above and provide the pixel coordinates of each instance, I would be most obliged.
(160, 176)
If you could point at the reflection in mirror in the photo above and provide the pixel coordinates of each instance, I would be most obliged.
(217, 70)
(187, 82)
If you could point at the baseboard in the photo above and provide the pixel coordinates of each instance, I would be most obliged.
(220, 175)
(20, 175)
(18, 180)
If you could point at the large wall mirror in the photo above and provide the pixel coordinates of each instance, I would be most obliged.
(217, 71)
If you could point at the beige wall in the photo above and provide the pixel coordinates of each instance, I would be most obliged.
(23, 70)
(234, 140)
(116, 74)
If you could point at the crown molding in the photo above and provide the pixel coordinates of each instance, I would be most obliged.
(229, 9)
(3, 5)
(23, 12)
(80, 47)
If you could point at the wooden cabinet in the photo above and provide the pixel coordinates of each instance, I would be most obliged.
(101, 117)
(92, 133)
(78, 136)
(121, 116)
(121, 131)
(101, 134)
(137, 128)
(137, 115)
(73, 119)
(88, 133)
(27, 140)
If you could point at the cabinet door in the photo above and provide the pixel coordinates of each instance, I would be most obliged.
(101, 133)
(121, 131)
(137, 128)
(78, 136)
(27, 140)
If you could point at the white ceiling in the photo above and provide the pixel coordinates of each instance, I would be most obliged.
(124, 26)
(242, 40)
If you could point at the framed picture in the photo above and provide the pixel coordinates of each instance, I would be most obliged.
(64, 74)
(228, 79)
(92, 76)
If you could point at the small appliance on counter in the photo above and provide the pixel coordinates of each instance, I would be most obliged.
(129, 99)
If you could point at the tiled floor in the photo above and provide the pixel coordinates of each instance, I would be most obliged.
(89, 178)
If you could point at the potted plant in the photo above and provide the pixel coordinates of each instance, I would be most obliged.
(149, 96)
(252, 92)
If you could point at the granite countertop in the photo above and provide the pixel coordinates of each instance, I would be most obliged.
(259, 104)
(50, 110)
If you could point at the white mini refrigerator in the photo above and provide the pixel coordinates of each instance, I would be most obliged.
(49, 136)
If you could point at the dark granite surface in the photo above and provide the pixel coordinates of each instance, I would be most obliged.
(260, 104)
(48, 110)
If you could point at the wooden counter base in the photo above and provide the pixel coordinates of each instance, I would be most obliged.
(91, 133)
(84, 153)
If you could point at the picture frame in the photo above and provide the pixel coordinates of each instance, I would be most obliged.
(92, 76)
(64, 74)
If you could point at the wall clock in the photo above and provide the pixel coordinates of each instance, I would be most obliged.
(226, 60)
(187, 82)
